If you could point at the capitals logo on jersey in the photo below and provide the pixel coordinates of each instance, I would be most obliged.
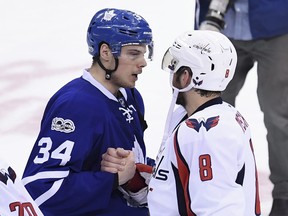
(5, 174)
(208, 124)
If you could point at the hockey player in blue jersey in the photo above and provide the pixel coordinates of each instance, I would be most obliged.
(87, 116)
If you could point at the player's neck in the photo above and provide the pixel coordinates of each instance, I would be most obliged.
(194, 100)
(100, 77)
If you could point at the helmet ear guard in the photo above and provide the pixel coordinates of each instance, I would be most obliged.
(210, 55)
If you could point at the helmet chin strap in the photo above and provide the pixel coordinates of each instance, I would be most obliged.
(168, 129)
(169, 117)
(108, 72)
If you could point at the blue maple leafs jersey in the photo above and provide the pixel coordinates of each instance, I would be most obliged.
(79, 123)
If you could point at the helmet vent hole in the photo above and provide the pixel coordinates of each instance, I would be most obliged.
(177, 45)
(126, 18)
(230, 62)
(212, 67)
(128, 32)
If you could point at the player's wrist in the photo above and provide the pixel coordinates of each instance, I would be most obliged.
(140, 179)
(215, 18)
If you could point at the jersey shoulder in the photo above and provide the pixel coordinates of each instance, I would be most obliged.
(220, 117)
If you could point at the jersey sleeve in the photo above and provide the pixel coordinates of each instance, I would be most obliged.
(63, 170)
(201, 9)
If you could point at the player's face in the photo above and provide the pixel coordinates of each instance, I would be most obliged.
(131, 62)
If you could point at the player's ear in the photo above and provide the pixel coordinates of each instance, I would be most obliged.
(105, 52)
(185, 78)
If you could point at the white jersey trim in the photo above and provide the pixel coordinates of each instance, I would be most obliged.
(48, 194)
(45, 175)
(88, 77)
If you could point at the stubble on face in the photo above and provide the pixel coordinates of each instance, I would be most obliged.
(176, 83)
(181, 99)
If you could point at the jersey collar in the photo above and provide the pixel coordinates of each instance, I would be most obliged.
(211, 102)
(88, 77)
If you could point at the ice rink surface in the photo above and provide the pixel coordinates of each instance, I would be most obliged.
(43, 46)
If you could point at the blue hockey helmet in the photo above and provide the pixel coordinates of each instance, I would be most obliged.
(118, 28)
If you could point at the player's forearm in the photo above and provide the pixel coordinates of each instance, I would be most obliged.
(78, 193)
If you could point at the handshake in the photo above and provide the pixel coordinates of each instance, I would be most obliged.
(133, 178)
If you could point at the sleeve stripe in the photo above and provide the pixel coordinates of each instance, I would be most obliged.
(48, 194)
(45, 175)
(184, 173)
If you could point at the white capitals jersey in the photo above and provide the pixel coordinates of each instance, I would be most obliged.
(14, 198)
(207, 167)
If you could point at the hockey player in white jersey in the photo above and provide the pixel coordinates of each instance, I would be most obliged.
(14, 198)
(206, 166)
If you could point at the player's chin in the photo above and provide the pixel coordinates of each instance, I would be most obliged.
(127, 84)
(132, 82)
(131, 85)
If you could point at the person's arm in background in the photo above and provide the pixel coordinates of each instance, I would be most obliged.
(214, 17)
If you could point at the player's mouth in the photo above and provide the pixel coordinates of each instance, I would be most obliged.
(135, 76)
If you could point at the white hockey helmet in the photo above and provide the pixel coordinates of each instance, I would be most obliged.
(210, 55)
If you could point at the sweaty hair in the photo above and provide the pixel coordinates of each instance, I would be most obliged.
(207, 93)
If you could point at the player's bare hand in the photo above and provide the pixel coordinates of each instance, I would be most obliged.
(129, 169)
(122, 152)
(114, 160)
(119, 161)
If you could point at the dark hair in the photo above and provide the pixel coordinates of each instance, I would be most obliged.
(95, 60)
(207, 93)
